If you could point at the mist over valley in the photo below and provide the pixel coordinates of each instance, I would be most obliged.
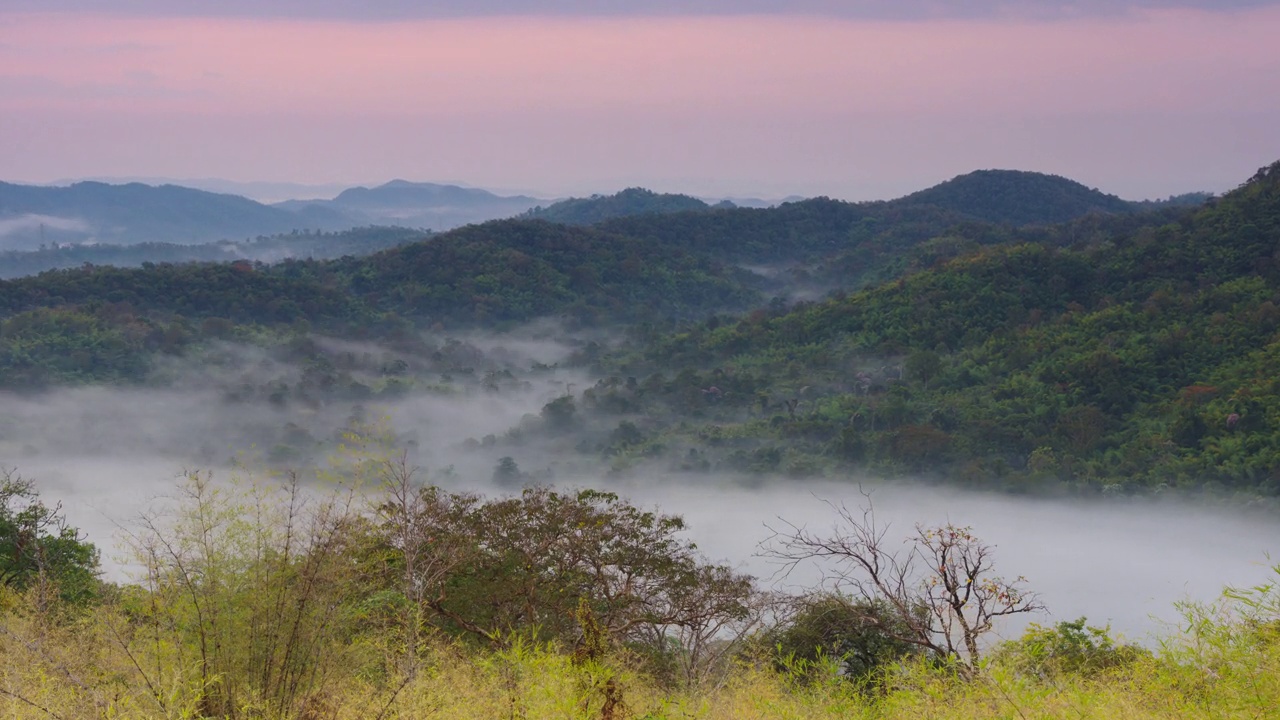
(648, 425)
(639, 361)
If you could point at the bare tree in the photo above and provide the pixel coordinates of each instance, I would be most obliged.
(705, 620)
(419, 523)
(938, 585)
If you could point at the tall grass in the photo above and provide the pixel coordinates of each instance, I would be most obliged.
(249, 607)
(1223, 665)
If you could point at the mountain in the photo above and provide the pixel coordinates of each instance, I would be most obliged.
(505, 271)
(135, 213)
(1016, 197)
(263, 191)
(1191, 199)
(1131, 359)
(632, 201)
(1115, 353)
(411, 204)
(754, 202)
(269, 249)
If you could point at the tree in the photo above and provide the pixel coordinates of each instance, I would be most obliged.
(1072, 647)
(246, 596)
(485, 568)
(559, 413)
(36, 544)
(540, 552)
(860, 635)
(507, 472)
(418, 530)
(938, 590)
(923, 365)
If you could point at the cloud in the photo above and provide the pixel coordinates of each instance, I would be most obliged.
(1145, 104)
(412, 9)
(107, 452)
(31, 222)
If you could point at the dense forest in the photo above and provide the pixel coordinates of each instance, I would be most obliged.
(1119, 360)
(1018, 198)
(598, 208)
(1121, 351)
(337, 569)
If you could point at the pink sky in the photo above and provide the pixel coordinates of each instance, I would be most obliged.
(1141, 104)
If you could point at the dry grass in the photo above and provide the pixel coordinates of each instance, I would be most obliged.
(78, 670)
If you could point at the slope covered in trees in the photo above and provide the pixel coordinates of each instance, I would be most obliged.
(1114, 351)
(598, 208)
(1138, 360)
(1017, 197)
(502, 273)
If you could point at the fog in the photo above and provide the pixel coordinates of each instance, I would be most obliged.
(1126, 562)
(29, 231)
(106, 453)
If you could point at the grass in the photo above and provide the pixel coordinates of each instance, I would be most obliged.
(1225, 664)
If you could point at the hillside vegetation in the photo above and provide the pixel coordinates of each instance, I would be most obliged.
(1114, 353)
(1017, 197)
(387, 597)
(1121, 361)
(598, 208)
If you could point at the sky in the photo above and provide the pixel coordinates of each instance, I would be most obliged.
(857, 99)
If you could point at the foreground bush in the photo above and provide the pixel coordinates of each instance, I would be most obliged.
(80, 673)
(261, 602)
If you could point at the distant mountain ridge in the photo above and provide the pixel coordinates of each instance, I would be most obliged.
(263, 191)
(136, 213)
(1018, 197)
(419, 204)
(262, 249)
(632, 201)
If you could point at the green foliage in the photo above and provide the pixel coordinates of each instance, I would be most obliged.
(1071, 647)
(1018, 198)
(861, 637)
(559, 413)
(53, 347)
(38, 546)
(259, 601)
(598, 208)
(1026, 366)
(1030, 358)
(246, 600)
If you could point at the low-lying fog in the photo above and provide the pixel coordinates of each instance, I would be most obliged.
(1123, 562)
(105, 453)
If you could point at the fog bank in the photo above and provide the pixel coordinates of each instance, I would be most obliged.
(459, 406)
(1123, 562)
